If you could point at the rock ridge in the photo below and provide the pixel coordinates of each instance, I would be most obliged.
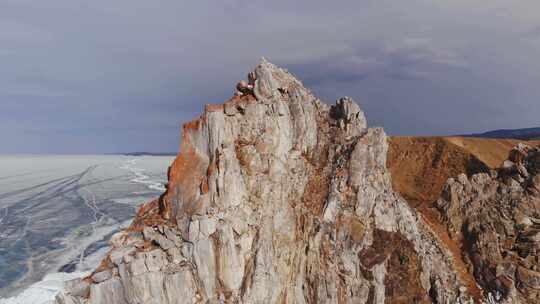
(496, 216)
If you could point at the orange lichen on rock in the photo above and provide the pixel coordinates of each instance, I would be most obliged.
(147, 214)
(190, 125)
(188, 174)
(204, 185)
(185, 177)
(213, 107)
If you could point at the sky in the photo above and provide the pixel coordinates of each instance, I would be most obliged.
(122, 76)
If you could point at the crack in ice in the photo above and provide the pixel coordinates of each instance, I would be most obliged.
(140, 177)
(5, 215)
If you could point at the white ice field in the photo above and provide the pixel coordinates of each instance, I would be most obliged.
(57, 212)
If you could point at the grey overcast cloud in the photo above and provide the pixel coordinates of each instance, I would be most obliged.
(116, 76)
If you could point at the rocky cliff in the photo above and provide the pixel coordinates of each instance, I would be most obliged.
(276, 197)
(496, 216)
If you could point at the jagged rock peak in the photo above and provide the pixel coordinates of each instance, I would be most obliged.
(276, 198)
(267, 81)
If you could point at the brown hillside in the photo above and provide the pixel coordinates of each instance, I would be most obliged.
(490, 151)
(421, 165)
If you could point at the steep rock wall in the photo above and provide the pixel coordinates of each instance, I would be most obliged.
(276, 197)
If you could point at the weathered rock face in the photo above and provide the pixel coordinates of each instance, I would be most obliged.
(276, 198)
(497, 217)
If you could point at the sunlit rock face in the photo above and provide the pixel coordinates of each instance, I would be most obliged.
(276, 197)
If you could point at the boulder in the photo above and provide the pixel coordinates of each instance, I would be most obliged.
(101, 276)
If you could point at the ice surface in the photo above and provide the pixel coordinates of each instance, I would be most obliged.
(57, 213)
(44, 291)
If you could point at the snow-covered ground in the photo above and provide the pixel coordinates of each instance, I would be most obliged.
(57, 213)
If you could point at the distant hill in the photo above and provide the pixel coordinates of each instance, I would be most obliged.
(527, 134)
(150, 154)
(145, 154)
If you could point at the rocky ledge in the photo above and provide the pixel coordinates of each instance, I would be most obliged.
(276, 197)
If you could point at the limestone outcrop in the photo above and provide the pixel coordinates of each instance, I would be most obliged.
(276, 197)
(496, 216)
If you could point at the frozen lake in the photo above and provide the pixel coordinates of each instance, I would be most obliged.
(57, 212)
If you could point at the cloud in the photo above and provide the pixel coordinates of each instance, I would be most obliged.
(423, 51)
(532, 33)
(408, 59)
(108, 76)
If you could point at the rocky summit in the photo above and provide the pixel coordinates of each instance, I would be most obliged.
(277, 197)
